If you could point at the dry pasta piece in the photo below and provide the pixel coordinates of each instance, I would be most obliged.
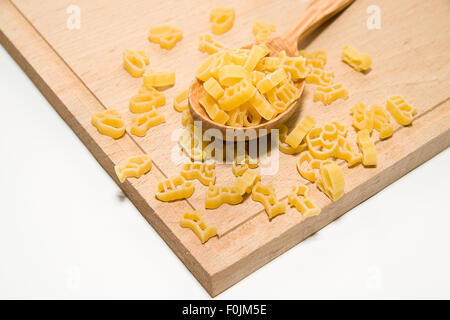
(357, 60)
(265, 194)
(203, 73)
(203, 172)
(109, 123)
(218, 195)
(283, 96)
(345, 152)
(401, 111)
(174, 188)
(239, 56)
(191, 142)
(319, 77)
(194, 221)
(237, 95)
(222, 59)
(237, 116)
(146, 100)
(186, 118)
(135, 166)
(213, 110)
(252, 117)
(306, 164)
(158, 78)
(283, 146)
(222, 19)
(271, 80)
(256, 76)
(316, 59)
(245, 183)
(263, 31)
(300, 131)
(322, 141)
(296, 67)
(178, 104)
(362, 117)
(142, 123)
(331, 181)
(273, 63)
(382, 122)
(231, 74)
(242, 164)
(257, 52)
(208, 44)
(299, 199)
(213, 88)
(262, 106)
(165, 35)
(134, 62)
(367, 147)
(330, 93)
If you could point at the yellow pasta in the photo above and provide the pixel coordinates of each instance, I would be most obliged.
(158, 78)
(357, 60)
(222, 59)
(252, 117)
(300, 131)
(194, 221)
(239, 56)
(322, 141)
(191, 142)
(213, 88)
(283, 96)
(319, 77)
(331, 93)
(362, 117)
(245, 183)
(262, 106)
(240, 166)
(186, 118)
(345, 152)
(263, 31)
(142, 123)
(296, 67)
(208, 44)
(382, 122)
(147, 100)
(134, 62)
(236, 95)
(231, 74)
(316, 59)
(218, 195)
(174, 188)
(213, 110)
(135, 166)
(203, 172)
(331, 181)
(299, 199)
(109, 123)
(257, 52)
(256, 76)
(271, 80)
(203, 73)
(237, 116)
(283, 146)
(180, 102)
(222, 19)
(165, 35)
(306, 164)
(265, 194)
(367, 147)
(401, 111)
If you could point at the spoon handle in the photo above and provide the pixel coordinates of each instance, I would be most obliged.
(317, 12)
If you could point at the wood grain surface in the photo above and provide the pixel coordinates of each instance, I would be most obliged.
(81, 72)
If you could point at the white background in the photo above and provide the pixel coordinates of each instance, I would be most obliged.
(67, 231)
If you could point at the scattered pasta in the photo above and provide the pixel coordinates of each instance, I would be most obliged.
(194, 221)
(357, 60)
(135, 166)
(142, 123)
(109, 123)
(401, 111)
(134, 62)
(263, 31)
(158, 78)
(165, 35)
(222, 19)
(299, 199)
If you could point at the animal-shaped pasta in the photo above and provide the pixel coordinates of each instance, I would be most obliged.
(239, 56)
(203, 172)
(271, 80)
(231, 74)
(165, 35)
(320, 77)
(306, 164)
(283, 96)
(158, 78)
(245, 183)
(142, 123)
(283, 146)
(218, 195)
(208, 44)
(357, 60)
(345, 152)
(322, 141)
(242, 164)
(256, 76)
(328, 94)
(134, 62)
(222, 19)
(262, 106)
(147, 100)
(265, 194)
(296, 67)
(135, 166)
(316, 59)
(331, 181)
(212, 109)
(257, 52)
(300, 131)
(263, 31)
(180, 102)
(382, 122)
(367, 147)
(109, 123)
(194, 221)
(237, 116)
(236, 95)
(174, 188)
(213, 88)
(401, 111)
(299, 199)
(362, 117)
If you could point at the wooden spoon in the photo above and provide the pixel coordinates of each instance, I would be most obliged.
(317, 12)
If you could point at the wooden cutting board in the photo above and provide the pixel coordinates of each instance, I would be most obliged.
(80, 72)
